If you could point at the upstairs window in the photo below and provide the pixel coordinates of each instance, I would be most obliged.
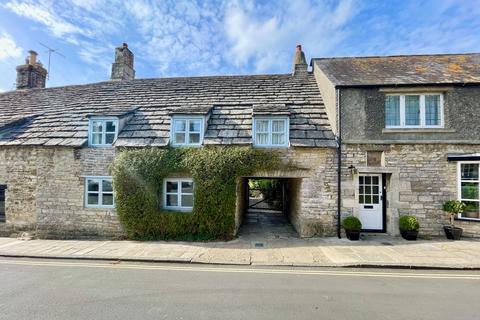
(414, 111)
(102, 132)
(178, 194)
(270, 132)
(187, 131)
(469, 189)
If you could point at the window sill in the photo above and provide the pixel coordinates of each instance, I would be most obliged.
(177, 210)
(100, 207)
(467, 219)
(417, 130)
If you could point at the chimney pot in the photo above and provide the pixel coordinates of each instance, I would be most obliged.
(32, 58)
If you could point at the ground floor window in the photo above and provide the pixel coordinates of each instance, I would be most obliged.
(468, 188)
(99, 192)
(3, 188)
(178, 194)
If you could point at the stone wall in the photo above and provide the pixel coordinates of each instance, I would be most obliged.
(46, 187)
(419, 181)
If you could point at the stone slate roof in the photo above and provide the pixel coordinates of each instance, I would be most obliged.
(401, 70)
(59, 116)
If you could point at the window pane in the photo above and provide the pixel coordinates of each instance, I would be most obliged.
(180, 125)
(93, 185)
(392, 110)
(470, 171)
(368, 189)
(187, 200)
(187, 187)
(172, 186)
(107, 199)
(375, 180)
(261, 126)
(278, 126)
(368, 199)
(96, 138)
(470, 190)
(471, 210)
(361, 199)
(179, 137)
(92, 198)
(361, 189)
(195, 125)
(97, 126)
(375, 190)
(109, 137)
(412, 110)
(432, 110)
(368, 180)
(172, 200)
(360, 179)
(110, 126)
(107, 186)
(375, 199)
(278, 138)
(262, 138)
(194, 138)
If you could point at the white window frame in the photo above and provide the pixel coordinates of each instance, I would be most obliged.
(187, 130)
(422, 124)
(459, 186)
(179, 194)
(104, 132)
(269, 144)
(100, 192)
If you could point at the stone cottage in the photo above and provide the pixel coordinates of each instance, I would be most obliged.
(407, 128)
(56, 144)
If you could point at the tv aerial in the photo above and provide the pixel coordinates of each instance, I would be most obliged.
(50, 51)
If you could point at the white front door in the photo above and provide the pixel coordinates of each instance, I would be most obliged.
(370, 199)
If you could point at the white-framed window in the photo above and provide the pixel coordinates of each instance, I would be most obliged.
(99, 192)
(414, 110)
(187, 131)
(270, 131)
(178, 194)
(102, 132)
(468, 188)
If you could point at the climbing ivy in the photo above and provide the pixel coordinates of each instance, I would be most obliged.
(138, 181)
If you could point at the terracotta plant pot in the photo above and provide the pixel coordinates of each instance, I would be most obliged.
(409, 235)
(453, 233)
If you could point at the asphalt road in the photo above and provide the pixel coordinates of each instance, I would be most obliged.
(53, 289)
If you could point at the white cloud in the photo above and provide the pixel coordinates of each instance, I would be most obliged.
(265, 35)
(41, 14)
(8, 47)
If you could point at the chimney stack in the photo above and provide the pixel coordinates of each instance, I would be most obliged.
(32, 74)
(300, 67)
(122, 68)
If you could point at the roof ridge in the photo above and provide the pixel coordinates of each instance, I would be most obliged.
(399, 55)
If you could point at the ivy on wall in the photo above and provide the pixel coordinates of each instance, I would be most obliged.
(138, 181)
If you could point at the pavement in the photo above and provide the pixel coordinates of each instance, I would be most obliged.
(267, 249)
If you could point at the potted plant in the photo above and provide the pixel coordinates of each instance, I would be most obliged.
(352, 226)
(453, 207)
(409, 227)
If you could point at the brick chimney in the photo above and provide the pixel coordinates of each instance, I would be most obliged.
(300, 67)
(122, 68)
(32, 74)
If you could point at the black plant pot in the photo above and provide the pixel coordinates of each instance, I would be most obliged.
(409, 235)
(453, 233)
(352, 235)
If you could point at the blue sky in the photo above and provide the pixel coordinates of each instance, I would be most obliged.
(189, 38)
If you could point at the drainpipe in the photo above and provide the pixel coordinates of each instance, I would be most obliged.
(339, 164)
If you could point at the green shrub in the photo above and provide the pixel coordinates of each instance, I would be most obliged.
(408, 223)
(454, 206)
(351, 224)
(138, 181)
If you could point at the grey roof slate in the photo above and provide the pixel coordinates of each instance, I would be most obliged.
(401, 70)
(61, 114)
